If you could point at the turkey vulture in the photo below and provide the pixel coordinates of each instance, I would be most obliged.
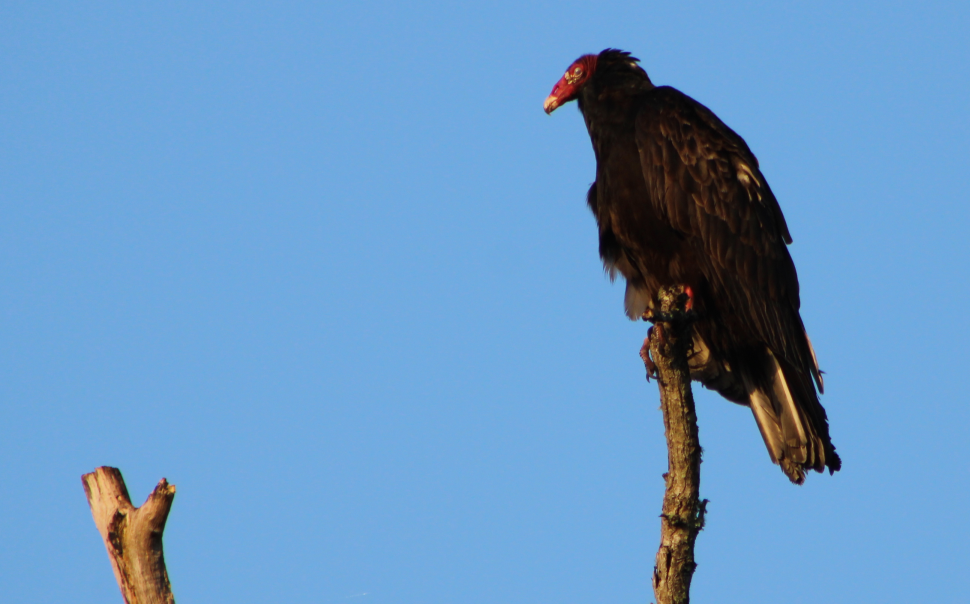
(679, 200)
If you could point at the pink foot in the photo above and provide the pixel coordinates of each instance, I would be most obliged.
(648, 363)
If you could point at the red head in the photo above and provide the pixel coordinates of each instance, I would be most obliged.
(571, 83)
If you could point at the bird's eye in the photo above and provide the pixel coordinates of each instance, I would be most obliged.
(573, 75)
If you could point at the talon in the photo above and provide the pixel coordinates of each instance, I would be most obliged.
(648, 363)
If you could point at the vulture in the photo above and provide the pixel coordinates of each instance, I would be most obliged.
(679, 200)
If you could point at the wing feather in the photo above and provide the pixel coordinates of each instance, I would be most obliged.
(707, 184)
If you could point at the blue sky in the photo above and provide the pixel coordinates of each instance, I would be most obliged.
(328, 268)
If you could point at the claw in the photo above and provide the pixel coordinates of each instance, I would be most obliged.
(648, 363)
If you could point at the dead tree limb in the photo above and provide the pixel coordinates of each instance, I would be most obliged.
(683, 514)
(132, 536)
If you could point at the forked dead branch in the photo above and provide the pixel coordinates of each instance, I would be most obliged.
(132, 536)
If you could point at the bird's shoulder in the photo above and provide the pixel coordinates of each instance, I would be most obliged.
(697, 160)
(666, 111)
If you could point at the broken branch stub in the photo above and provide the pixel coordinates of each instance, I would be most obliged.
(683, 514)
(132, 536)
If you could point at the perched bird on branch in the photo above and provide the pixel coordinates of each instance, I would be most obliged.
(679, 200)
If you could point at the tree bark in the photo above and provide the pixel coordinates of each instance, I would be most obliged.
(683, 514)
(132, 536)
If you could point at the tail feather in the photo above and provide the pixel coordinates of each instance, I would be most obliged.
(792, 421)
(784, 403)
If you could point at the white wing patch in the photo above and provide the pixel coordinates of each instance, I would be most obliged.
(746, 177)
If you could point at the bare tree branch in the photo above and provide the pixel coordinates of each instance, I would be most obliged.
(132, 536)
(683, 514)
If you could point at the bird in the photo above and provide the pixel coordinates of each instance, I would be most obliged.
(679, 200)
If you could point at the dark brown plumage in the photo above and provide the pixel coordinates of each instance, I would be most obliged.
(679, 200)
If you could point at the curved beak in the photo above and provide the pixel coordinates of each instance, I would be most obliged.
(562, 92)
(551, 104)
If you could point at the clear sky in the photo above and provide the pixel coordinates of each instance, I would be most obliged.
(328, 268)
